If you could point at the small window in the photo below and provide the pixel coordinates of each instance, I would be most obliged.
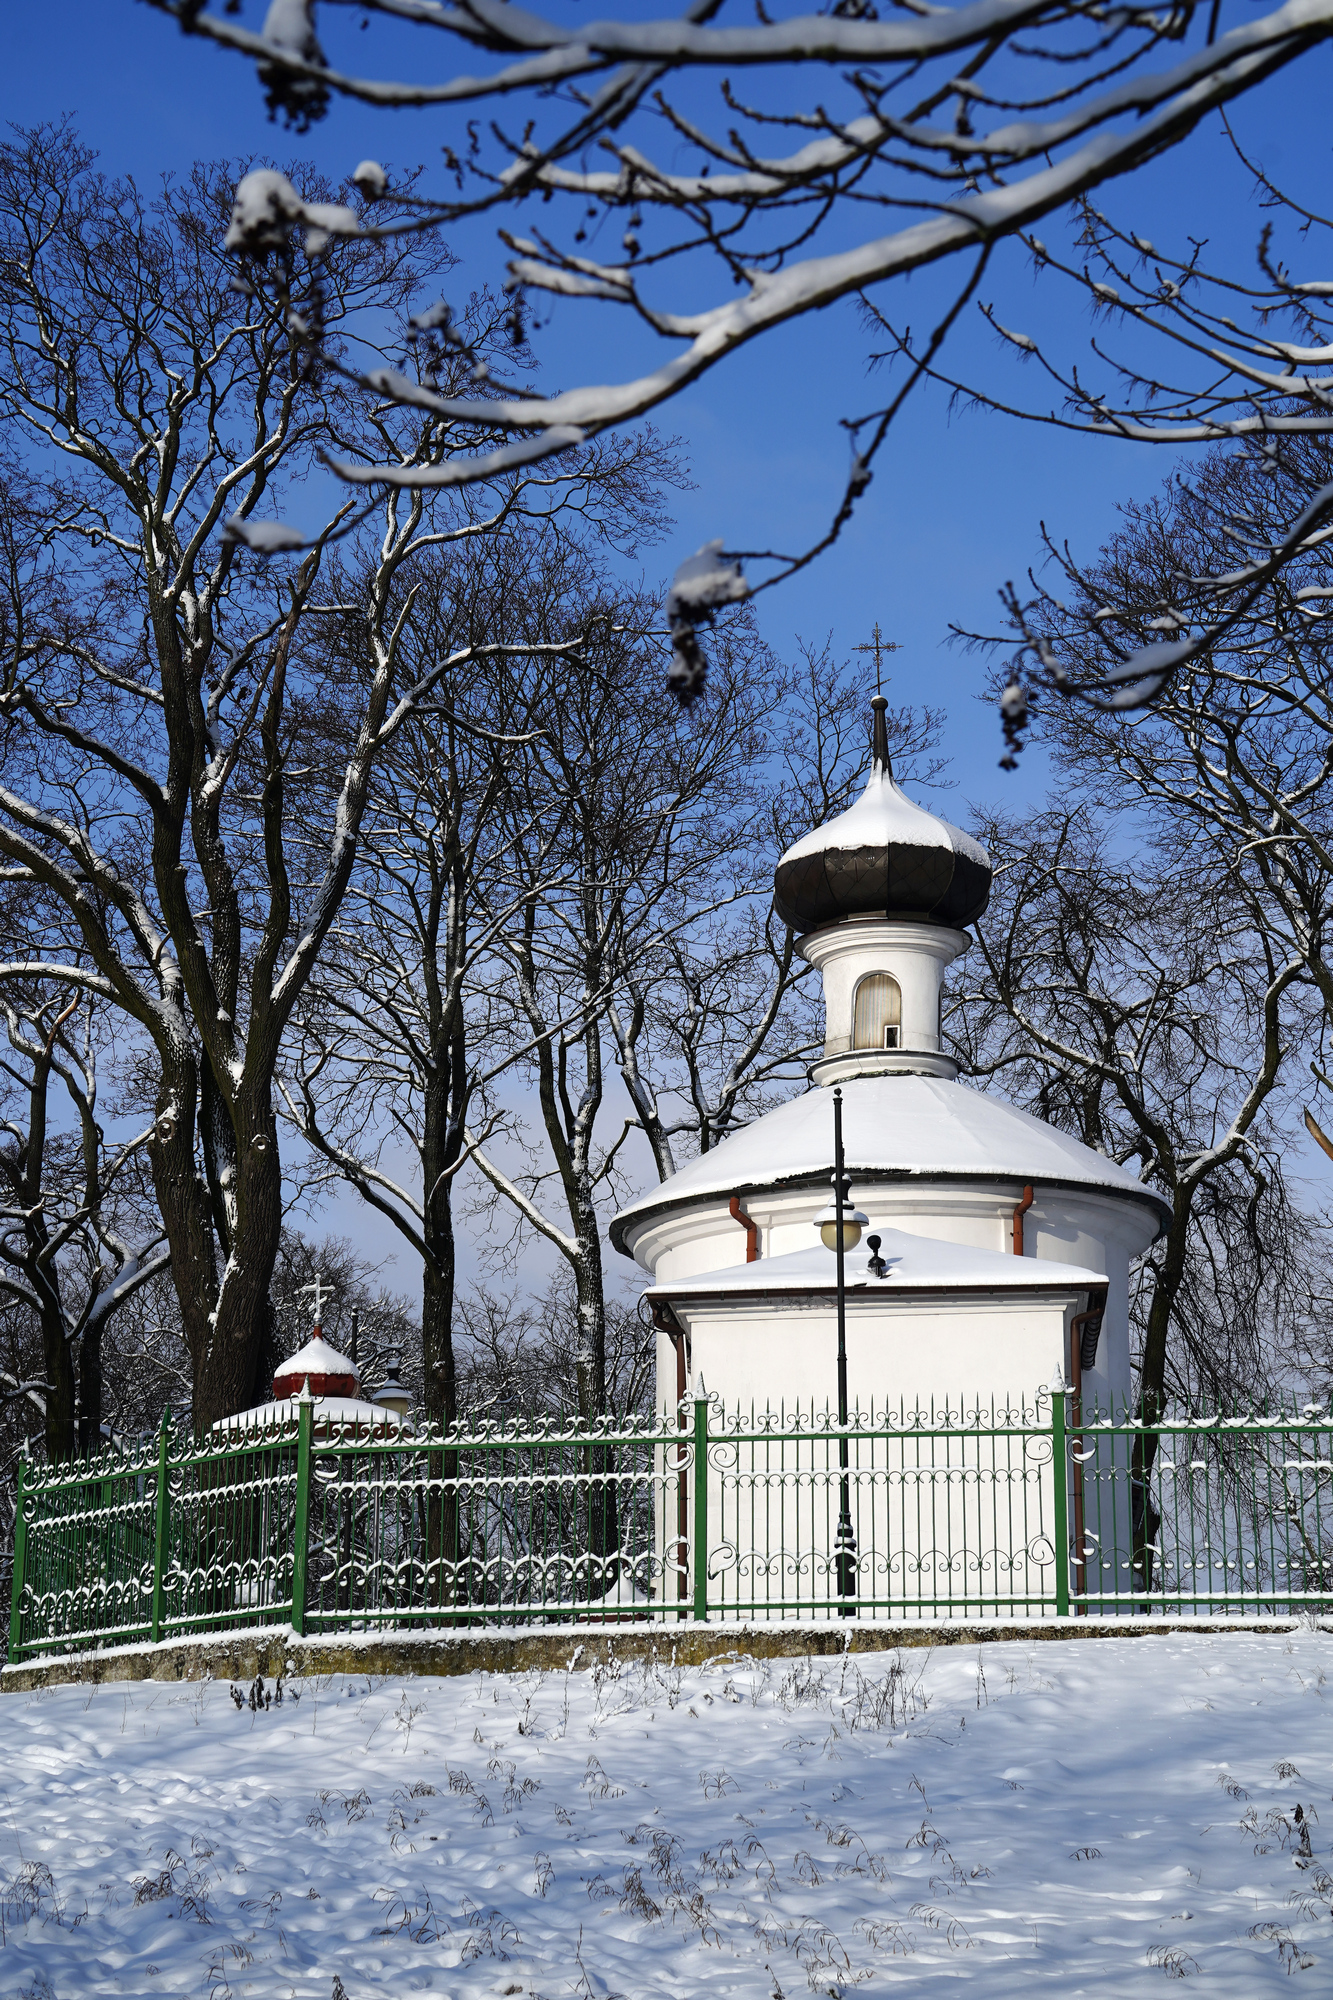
(879, 1013)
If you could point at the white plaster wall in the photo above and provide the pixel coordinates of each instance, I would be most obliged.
(917, 955)
(1096, 1232)
(898, 1349)
(983, 1539)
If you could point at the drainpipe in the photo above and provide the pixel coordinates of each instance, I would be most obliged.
(1084, 1330)
(1019, 1213)
(666, 1322)
(751, 1230)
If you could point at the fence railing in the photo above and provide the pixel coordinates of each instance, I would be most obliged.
(993, 1511)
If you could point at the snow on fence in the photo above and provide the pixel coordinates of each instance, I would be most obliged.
(988, 1511)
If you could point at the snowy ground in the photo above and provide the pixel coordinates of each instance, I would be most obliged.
(1092, 1817)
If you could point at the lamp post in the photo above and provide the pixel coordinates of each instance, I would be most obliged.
(840, 1229)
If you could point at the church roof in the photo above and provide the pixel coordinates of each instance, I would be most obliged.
(328, 1372)
(918, 1128)
(916, 1263)
(334, 1416)
(883, 857)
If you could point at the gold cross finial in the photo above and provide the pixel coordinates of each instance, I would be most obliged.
(879, 645)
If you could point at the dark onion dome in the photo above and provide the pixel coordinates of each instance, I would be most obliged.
(883, 857)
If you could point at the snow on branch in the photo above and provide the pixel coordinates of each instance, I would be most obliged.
(701, 586)
(935, 132)
(1118, 110)
(267, 208)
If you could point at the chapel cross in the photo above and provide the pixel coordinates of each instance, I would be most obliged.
(879, 645)
(320, 1296)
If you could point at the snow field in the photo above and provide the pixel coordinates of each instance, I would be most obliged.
(1092, 1816)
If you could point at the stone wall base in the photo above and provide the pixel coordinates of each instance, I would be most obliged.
(273, 1650)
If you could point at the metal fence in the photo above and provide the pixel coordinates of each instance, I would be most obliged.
(1031, 1509)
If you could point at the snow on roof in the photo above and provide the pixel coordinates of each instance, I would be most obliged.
(317, 1357)
(330, 1413)
(916, 1263)
(884, 816)
(920, 1127)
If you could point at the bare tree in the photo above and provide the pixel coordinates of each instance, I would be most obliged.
(518, 1359)
(1230, 771)
(724, 1018)
(163, 702)
(622, 823)
(398, 1040)
(952, 128)
(77, 1237)
(1153, 1012)
(1236, 362)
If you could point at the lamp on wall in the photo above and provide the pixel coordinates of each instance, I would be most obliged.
(840, 1231)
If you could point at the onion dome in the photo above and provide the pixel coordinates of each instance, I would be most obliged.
(883, 857)
(328, 1372)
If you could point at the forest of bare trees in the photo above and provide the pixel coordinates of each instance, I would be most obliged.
(373, 863)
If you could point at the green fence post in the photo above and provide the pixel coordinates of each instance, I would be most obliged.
(301, 1529)
(20, 1563)
(1060, 1469)
(160, 1527)
(701, 1508)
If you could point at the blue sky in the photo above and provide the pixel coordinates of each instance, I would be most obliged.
(956, 503)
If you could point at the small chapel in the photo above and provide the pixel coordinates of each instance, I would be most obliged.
(995, 1251)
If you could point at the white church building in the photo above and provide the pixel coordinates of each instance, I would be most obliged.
(1005, 1244)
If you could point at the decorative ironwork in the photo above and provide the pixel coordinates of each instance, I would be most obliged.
(1017, 1508)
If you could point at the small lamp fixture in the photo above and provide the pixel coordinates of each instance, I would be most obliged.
(392, 1394)
(853, 1222)
(876, 1266)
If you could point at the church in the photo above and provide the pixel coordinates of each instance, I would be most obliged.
(993, 1253)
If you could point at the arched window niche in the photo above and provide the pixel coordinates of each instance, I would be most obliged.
(878, 1013)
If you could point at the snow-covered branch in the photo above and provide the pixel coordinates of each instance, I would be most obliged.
(954, 127)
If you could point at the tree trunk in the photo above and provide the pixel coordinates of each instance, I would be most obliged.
(590, 1368)
(1152, 1386)
(227, 1319)
(90, 1390)
(244, 1318)
(60, 1389)
(441, 1143)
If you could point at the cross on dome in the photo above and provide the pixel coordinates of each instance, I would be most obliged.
(321, 1295)
(879, 645)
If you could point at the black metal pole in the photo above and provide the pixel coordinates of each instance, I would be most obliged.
(846, 1541)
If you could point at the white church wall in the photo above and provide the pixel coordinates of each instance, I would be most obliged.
(1093, 1231)
(899, 1348)
(917, 956)
(926, 1513)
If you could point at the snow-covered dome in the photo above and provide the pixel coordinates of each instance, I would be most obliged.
(317, 1374)
(884, 857)
(328, 1372)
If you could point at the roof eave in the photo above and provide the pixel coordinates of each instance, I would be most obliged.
(924, 1288)
(872, 1176)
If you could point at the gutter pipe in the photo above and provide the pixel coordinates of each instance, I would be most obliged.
(751, 1229)
(1022, 1209)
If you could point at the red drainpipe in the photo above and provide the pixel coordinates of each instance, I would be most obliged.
(1019, 1213)
(751, 1230)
